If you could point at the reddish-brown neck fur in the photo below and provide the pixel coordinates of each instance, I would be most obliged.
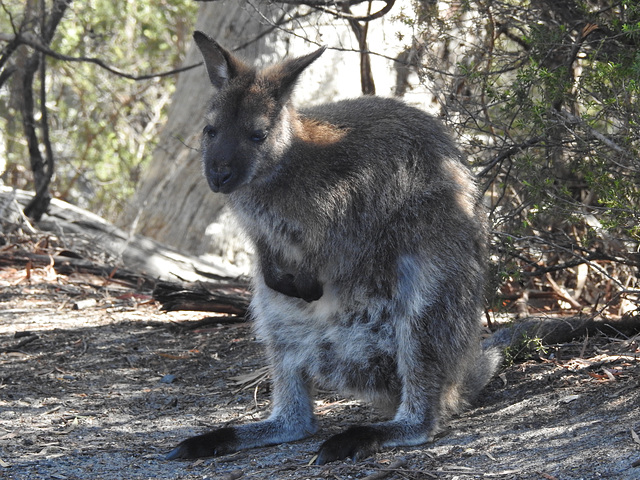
(319, 133)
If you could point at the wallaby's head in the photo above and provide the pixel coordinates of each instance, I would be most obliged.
(249, 123)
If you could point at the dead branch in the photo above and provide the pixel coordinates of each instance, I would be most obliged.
(325, 6)
(347, 15)
(387, 471)
(562, 330)
(36, 44)
(16, 347)
(139, 254)
(361, 30)
(221, 297)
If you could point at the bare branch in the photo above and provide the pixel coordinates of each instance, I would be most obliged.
(32, 41)
(347, 15)
(573, 252)
(366, 75)
(324, 6)
(573, 120)
(44, 123)
(508, 153)
(9, 49)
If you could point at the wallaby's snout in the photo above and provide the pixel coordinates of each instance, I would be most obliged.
(219, 178)
(218, 156)
(227, 159)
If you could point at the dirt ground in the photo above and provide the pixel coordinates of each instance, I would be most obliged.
(104, 389)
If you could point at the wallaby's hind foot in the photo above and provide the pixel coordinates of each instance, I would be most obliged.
(217, 442)
(355, 443)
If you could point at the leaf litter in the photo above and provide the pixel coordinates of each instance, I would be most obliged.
(82, 396)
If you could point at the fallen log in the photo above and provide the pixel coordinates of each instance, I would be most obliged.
(136, 253)
(221, 297)
(550, 330)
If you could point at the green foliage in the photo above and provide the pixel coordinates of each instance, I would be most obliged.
(551, 105)
(102, 125)
(543, 97)
(526, 348)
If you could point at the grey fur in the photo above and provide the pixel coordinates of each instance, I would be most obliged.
(371, 241)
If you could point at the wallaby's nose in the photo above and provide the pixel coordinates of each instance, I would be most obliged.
(219, 176)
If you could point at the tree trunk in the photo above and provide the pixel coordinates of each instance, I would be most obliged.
(173, 203)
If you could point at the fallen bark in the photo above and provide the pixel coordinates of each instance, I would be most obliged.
(222, 297)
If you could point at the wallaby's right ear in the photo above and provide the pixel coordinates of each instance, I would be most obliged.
(221, 65)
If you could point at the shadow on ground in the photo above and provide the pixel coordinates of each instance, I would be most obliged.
(105, 392)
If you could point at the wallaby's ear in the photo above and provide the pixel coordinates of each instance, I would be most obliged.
(285, 74)
(221, 65)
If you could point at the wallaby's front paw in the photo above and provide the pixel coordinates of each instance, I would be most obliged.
(214, 443)
(356, 443)
(301, 285)
(309, 289)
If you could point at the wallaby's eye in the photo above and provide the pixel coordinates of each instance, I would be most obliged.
(209, 131)
(258, 136)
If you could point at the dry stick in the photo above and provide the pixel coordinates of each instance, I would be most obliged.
(17, 346)
(64, 265)
(385, 472)
(231, 298)
(34, 42)
(234, 475)
(562, 293)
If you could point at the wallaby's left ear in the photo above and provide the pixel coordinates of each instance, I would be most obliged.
(286, 74)
(221, 65)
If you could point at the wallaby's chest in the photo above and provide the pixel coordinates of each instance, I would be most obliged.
(340, 346)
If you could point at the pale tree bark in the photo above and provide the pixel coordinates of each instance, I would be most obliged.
(173, 203)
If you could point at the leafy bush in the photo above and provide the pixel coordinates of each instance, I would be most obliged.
(545, 94)
(102, 125)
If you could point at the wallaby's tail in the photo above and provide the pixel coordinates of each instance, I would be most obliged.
(477, 372)
(487, 363)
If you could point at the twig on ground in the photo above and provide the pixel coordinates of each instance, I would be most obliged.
(392, 468)
(234, 475)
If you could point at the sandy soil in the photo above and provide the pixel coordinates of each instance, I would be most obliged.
(104, 391)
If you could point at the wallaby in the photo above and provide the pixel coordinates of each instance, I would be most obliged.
(370, 241)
